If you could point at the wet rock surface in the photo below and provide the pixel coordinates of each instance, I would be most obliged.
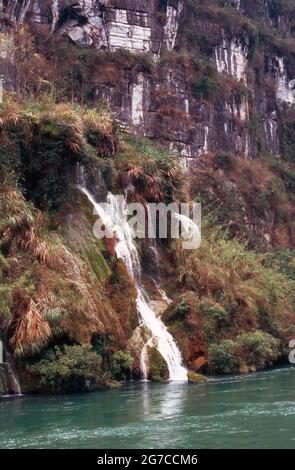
(4, 388)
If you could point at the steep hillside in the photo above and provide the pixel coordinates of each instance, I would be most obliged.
(180, 101)
(199, 76)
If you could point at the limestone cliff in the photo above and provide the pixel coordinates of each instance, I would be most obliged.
(243, 50)
(84, 81)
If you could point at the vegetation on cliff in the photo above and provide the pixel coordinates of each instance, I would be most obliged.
(67, 305)
(226, 292)
(233, 307)
(58, 284)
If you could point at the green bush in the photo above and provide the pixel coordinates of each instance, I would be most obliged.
(222, 357)
(45, 142)
(209, 328)
(287, 139)
(181, 309)
(151, 169)
(69, 369)
(205, 88)
(258, 348)
(121, 365)
(224, 160)
(214, 310)
(283, 261)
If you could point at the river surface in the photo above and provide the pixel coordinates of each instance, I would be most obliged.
(256, 411)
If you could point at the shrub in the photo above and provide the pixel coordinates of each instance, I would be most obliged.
(283, 261)
(209, 331)
(287, 138)
(205, 88)
(214, 310)
(258, 348)
(286, 173)
(44, 142)
(248, 198)
(121, 364)
(224, 160)
(5, 302)
(176, 312)
(152, 170)
(235, 292)
(68, 369)
(222, 357)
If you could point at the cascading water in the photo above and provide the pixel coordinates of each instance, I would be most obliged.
(114, 218)
(162, 339)
(13, 379)
(144, 358)
(24, 10)
(55, 14)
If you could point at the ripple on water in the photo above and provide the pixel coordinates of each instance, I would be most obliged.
(256, 411)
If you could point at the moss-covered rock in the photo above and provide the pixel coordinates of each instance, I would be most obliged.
(244, 369)
(195, 378)
(158, 367)
(3, 380)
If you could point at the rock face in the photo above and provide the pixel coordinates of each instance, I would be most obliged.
(136, 25)
(3, 380)
(231, 58)
(164, 101)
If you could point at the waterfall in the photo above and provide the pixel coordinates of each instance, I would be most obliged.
(144, 359)
(80, 175)
(24, 10)
(162, 339)
(164, 296)
(55, 14)
(13, 379)
(10, 8)
(114, 217)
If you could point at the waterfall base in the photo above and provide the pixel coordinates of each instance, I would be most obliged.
(4, 389)
(12, 378)
(9, 384)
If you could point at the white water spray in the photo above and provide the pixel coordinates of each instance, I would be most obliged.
(115, 219)
(15, 385)
(55, 14)
(24, 10)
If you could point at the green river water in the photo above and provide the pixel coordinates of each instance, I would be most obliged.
(256, 411)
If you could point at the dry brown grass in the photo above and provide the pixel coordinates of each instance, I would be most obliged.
(249, 198)
(9, 113)
(31, 331)
(29, 241)
(148, 186)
